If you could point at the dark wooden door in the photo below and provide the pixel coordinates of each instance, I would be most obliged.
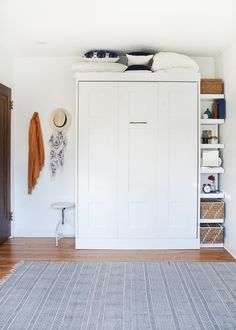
(5, 170)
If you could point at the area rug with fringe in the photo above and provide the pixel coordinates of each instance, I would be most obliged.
(119, 296)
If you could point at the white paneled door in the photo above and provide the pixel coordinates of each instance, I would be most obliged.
(137, 160)
(177, 160)
(97, 161)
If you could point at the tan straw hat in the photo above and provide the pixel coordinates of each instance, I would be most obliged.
(60, 119)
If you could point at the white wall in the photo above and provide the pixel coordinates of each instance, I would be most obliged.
(226, 69)
(42, 85)
(206, 66)
(6, 70)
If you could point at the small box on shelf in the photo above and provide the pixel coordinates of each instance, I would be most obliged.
(211, 233)
(212, 209)
(211, 86)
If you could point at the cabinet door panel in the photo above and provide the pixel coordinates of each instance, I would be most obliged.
(137, 160)
(97, 160)
(177, 160)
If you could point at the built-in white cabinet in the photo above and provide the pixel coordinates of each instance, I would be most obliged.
(137, 164)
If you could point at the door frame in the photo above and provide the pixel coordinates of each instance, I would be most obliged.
(6, 91)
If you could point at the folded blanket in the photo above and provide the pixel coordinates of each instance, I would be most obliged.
(98, 67)
(176, 70)
(169, 60)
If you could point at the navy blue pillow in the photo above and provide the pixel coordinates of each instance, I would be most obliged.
(137, 67)
(101, 54)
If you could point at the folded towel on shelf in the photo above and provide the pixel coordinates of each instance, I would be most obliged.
(170, 60)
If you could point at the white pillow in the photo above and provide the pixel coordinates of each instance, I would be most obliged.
(166, 60)
(98, 67)
(138, 59)
(102, 60)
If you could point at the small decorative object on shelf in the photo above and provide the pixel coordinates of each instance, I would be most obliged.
(206, 136)
(214, 140)
(215, 110)
(207, 114)
(206, 188)
(221, 104)
(212, 185)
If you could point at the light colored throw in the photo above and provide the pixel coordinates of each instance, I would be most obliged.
(169, 60)
(83, 66)
(119, 296)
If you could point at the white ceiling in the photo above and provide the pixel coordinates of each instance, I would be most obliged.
(61, 28)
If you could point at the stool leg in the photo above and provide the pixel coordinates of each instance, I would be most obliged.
(57, 231)
(63, 216)
(61, 222)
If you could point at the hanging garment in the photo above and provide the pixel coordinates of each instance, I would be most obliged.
(36, 152)
(57, 143)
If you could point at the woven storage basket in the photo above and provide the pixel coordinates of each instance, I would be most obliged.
(212, 209)
(211, 233)
(211, 86)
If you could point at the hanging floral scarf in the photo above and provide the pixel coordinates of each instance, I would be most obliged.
(57, 143)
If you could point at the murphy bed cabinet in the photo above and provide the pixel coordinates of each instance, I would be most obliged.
(137, 161)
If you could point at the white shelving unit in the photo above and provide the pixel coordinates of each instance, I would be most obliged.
(212, 96)
(213, 195)
(212, 245)
(212, 121)
(213, 125)
(212, 220)
(212, 146)
(212, 170)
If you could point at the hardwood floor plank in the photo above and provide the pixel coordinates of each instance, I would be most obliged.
(19, 249)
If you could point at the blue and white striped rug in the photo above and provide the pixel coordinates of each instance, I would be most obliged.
(119, 296)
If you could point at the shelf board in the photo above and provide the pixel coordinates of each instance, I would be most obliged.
(212, 121)
(212, 245)
(212, 195)
(212, 96)
(212, 146)
(212, 220)
(209, 170)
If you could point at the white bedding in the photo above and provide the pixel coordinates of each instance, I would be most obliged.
(170, 60)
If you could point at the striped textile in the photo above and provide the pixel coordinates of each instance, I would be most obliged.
(119, 296)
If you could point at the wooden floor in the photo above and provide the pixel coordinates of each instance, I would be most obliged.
(18, 249)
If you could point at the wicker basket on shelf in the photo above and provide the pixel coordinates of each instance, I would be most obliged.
(211, 86)
(211, 233)
(212, 209)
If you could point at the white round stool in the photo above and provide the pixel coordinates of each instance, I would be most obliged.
(61, 206)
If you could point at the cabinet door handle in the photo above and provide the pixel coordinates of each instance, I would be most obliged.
(138, 122)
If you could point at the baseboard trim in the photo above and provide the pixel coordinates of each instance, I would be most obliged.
(137, 244)
(231, 252)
